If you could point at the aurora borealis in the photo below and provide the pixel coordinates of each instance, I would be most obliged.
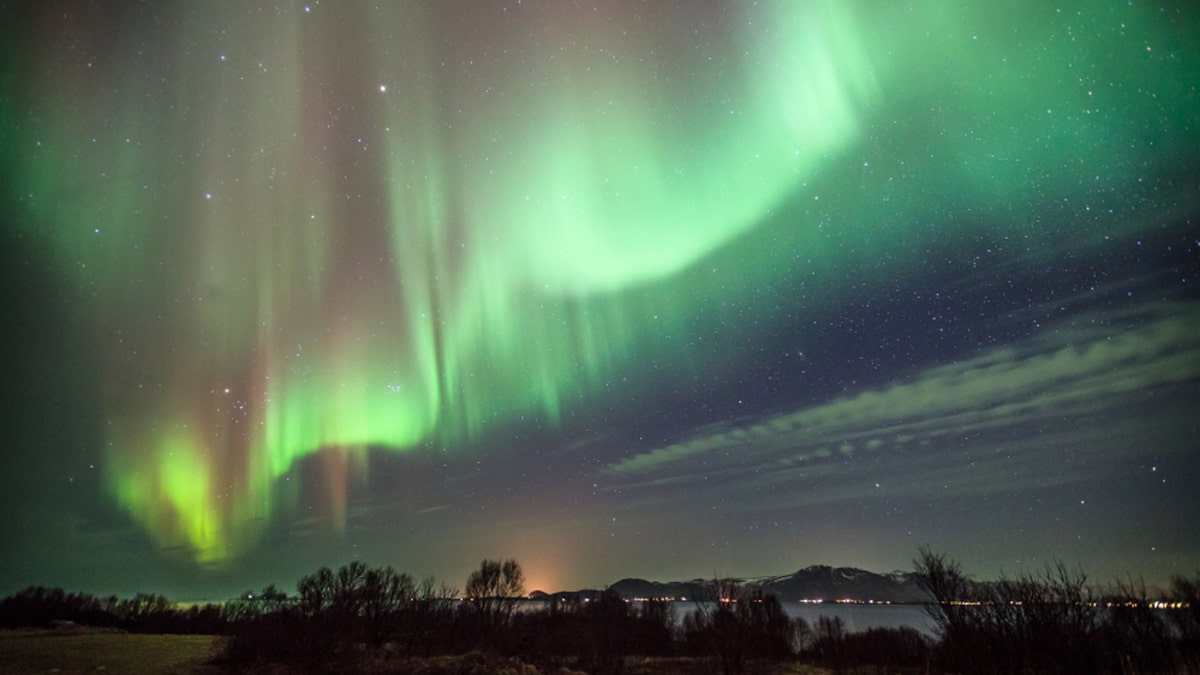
(614, 288)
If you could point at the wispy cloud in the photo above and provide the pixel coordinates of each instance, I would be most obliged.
(1082, 366)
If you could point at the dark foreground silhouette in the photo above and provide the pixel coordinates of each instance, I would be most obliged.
(378, 620)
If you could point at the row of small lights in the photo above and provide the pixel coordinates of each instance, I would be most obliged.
(1155, 604)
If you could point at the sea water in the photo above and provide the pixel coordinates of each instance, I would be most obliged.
(857, 618)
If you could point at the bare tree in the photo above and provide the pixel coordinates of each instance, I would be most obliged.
(316, 592)
(1046, 623)
(494, 588)
(950, 587)
(385, 593)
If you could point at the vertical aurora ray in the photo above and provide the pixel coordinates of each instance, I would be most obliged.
(332, 228)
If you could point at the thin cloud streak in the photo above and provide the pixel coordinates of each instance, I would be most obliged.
(1071, 369)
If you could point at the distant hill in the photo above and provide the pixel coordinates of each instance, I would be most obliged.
(822, 582)
(817, 582)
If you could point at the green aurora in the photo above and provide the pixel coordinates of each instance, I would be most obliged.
(339, 228)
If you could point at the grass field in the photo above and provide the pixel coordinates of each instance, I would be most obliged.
(95, 651)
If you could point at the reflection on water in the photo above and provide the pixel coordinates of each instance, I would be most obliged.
(855, 617)
(858, 618)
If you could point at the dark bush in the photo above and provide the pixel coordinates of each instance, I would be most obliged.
(889, 649)
(42, 606)
(1055, 623)
(736, 626)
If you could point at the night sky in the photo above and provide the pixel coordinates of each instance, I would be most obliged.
(614, 288)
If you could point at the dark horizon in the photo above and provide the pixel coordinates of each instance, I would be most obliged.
(610, 289)
(1115, 586)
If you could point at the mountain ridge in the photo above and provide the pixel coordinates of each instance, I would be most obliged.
(815, 583)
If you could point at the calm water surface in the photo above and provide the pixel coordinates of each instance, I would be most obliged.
(856, 618)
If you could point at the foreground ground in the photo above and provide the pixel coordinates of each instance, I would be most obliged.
(75, 650)
(89, 650)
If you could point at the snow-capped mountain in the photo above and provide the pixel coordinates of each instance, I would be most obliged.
(816, 582)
